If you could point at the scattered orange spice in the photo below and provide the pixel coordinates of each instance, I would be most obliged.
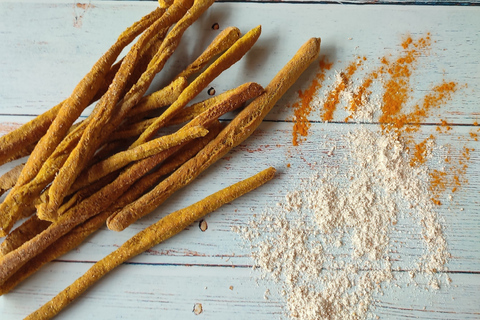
(304, 107)
(397, 88)
(333, 99)
(474, 136)
(420, 152)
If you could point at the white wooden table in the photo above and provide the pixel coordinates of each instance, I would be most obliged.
(47, 46)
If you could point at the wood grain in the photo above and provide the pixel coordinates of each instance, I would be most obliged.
(48, 46)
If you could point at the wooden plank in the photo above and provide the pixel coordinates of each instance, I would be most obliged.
(33, 89)
(173, 292)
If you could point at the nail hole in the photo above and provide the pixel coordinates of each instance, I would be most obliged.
(215, 26)
(197, 308)
(211, 91)
(203, 225)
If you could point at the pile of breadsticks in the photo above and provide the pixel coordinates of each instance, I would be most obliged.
(114, 166)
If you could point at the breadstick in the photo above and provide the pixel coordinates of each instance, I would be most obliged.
(145, 150)
(8, 180)
(241, 127)
(229, 102)
(82, 95)
(69, 111)
(96, 132)
(164, 229)
(231, 56)
(222, 42)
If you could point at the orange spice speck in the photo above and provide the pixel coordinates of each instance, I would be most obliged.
(333, 97)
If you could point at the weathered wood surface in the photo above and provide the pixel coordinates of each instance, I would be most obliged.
(48, 46)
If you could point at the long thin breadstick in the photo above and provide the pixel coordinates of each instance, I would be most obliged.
(63, 245)
(69, 111)
(96, 132)
(82, 95)
(164, 229)
(231, 56)
(222, 42)
(241, 127)
(30, 132)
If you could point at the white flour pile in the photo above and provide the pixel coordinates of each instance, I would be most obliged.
(329, 244)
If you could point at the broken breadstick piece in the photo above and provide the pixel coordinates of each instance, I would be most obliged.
(241, 127)
(164, 229)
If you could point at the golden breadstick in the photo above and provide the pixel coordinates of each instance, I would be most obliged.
(164, 229)
(222, 42)
(231, 56)
(23, 233)
(241, 127)
(8, 180)
(70, 110)
(121, 159)
(97, 130)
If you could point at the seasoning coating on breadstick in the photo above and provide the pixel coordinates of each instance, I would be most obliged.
(241, 127)
(164, 229)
